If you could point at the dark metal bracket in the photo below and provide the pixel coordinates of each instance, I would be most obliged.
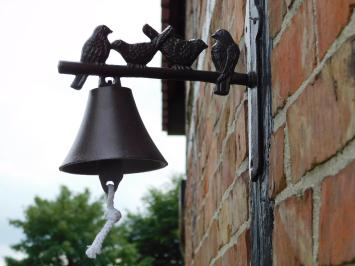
(119, 71)
(179, 53)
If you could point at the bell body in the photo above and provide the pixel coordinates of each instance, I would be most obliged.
(112, 139)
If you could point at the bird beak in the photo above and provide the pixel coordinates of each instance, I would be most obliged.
(109, 31)
(213, 35)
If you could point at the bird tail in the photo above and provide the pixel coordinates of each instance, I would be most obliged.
(149, 31)
(161, 38)
(222, 87)
(79, 81)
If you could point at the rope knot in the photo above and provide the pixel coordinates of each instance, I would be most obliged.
(112, 216)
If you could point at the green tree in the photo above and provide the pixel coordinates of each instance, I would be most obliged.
(57, 232)
(155, 232)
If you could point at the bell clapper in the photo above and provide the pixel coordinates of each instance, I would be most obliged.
(112, 215)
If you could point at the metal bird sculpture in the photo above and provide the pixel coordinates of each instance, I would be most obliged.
(95, 50)
(140, 54)
(179, 53)
(225, 55)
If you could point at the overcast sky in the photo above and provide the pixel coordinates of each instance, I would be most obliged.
(40, 113)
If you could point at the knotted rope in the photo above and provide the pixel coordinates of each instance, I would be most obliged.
(112, 216)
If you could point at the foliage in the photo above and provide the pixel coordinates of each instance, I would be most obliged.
(155, 233)
(57, 232)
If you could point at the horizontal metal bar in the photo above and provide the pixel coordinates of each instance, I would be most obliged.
(74, 68)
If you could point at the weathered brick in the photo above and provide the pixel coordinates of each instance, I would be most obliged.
(212, 157)
(289, 3)
(294, 56)
(277, 180)
(276, 14)
(225, 222)
(321, 121)
(337, 218)
(292, 235)
(332, 17)
(239, 198)
(213, 240)
(188, 244)
(237, 92)
(241, 134)
(235, 209)
(215, 108)
(217, 184)
(209, 208)
(223, 126)
(239, 19)
(239, 253)
(242, 249)
(228, 162)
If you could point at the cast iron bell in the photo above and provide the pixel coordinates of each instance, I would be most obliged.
(112, 140)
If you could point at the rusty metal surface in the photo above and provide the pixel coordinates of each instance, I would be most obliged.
(75, 68)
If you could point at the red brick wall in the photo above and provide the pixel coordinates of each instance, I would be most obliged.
(312, 167)
(312, 153)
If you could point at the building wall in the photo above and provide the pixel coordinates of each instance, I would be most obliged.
(312, 152)
(312, 147)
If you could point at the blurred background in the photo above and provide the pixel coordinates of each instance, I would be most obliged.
(40, 114)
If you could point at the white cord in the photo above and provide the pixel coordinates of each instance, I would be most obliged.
(112, 216)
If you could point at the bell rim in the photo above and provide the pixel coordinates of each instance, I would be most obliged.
(159, 165)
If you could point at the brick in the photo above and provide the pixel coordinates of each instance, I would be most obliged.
(239, 198)
(217, 184)
(292, 235)
(289, 3)
(343, 68)
(208, 129)
(337, 218)
(241, 134)
(213, 240)
(225, 222)
(242, 249)
(276, 14)
(223, 126)
(237, 93)
(293, 58)
(321, 121)
(188, 244)
(239, 253)
(199, 229)
(229, 162)
(277, 180)
(332, 17)
(235, 209)
(209, 208)
(212, 157)
(240, 9)
(215, 108)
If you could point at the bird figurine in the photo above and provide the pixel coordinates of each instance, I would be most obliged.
(179, 53)
(95, 51)
(225, 55)
(140, 54)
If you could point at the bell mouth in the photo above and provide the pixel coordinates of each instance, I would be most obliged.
(124, 166)
(112, 136)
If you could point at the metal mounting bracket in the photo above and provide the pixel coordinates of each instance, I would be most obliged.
(252, 26)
